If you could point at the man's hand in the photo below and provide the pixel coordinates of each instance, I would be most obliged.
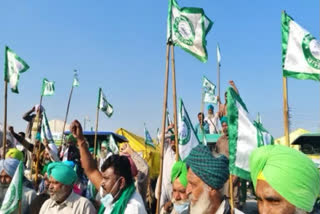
(11, 130)
(33, 108)
(168, 207)
(232, 83)
(126, 149)
(76, 130)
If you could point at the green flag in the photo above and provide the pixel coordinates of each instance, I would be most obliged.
(187, 28)
(47, 88)
(208, 91)
(186, 134)
(113, 145)
(13, 66)
(14, 192)
(45, 129)
(104, 105)
(75, 79)
(243, 135)
(300, 51)
(148, 140)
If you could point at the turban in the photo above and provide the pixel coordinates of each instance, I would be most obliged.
(37, 107)
(289, 172)
(14, 153)
(104, 144)
(179, 170)
(210, 107)
(9, 165)
(224, 120)
(214, 171)
(62, 173)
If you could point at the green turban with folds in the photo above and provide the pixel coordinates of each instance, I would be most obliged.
(289, 172)
(214, 171)
(179, 170)
(62, 173)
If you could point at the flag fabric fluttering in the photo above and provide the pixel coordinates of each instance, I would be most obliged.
(14, 192)
(104, 105)
(75, 79)
(148, 140)
(47, 88)
(186, 134)
(265, 138)
(13, 67)
(300, 51)
(218, 55)
(188, 28)
(113, 145)
(169, 121)
(244, 136)
(158, 136)
(45, 129)
(208, 91)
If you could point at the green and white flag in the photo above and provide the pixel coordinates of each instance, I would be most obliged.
(158, 136)
(187, 28)
(45, 129)
(14, 193)
(186, 134)
(13, 67)
(300, 51)
(265, 138)
(113, 146)
(208, 91)
(244, 136)
(169, 121)
(47, 88)
(148, 140)
(218, 55)
(104, 105)
(75, 79)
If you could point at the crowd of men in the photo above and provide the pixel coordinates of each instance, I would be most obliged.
(71, 180)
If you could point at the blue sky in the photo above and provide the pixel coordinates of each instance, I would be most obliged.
(120, 46)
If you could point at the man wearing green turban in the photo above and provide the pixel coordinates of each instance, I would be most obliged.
(285, 180)
(179, 200)
(62, 199)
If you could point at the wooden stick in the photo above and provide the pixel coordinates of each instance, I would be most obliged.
(95, 134)
(20, 206)
(164, 112)
(231, 193)
(285, 112)
(218, 73)
(34, 147)
(174, 96)
(66, 117)
(4, 137)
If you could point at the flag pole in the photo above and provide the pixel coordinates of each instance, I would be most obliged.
(66, 117)
(218, 72)
(4, 136)
(285, 111)
(20, 206)
(95, 134)
(174, 102)
(164, 112)
(231, 193)
(38, 150)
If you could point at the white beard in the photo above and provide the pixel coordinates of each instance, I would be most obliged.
(203, 205)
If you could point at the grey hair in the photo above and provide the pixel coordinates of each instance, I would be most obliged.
(299, 211)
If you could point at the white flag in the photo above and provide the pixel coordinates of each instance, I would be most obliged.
(188, 27)
(14, 66)
(218, 55)
(47, 88)
(208, 91)
(187, 137)
(113, 145)
(14, 192)
(75, 79)
(300, 51)
(104, 105)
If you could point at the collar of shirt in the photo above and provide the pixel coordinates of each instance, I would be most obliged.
(66, 203)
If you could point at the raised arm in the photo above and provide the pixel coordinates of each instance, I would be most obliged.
(21, 140)
(87, 162)
(233, 85)
(27, 116)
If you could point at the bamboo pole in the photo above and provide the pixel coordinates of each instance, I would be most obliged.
(218, 73)
(285, 111)
(231, 193)
(4, 136)
(165, 102)
(34, 148)
(95, 134)
(174, 96)
(66, 117)
(20, 206)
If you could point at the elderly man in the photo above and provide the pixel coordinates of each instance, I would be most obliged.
(31, 117)
(104, 153)
(62, 199)
(7, 170)
(206, 177)
(202, 127)
(180, 202)
(115, 180)
(285, 180)
(212, 119)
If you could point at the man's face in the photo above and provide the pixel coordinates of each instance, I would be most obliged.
(5, 178)
(173, 145)
(46, 156)
(57, 190)
(210, 111)
(178, 191)
(46, 181)
(225, 128)
(110, 182)
(200, 118)
(269, 201)
(198, 193)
